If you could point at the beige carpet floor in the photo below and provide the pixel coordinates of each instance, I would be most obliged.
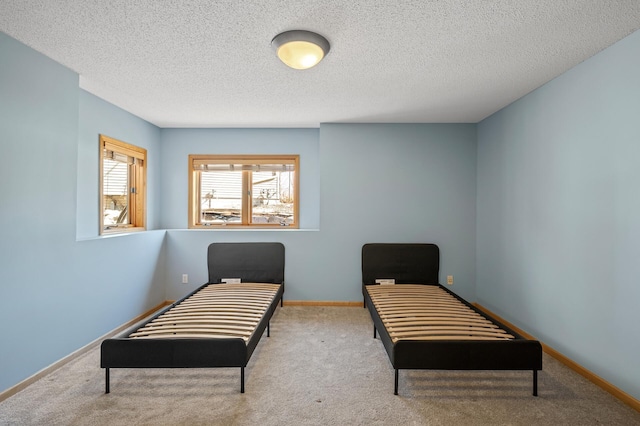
(321, 366)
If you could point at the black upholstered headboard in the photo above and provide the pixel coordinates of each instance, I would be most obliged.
(251, 262)
(406, 263)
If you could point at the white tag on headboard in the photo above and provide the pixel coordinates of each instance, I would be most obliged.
(385, 281)
(230, 280)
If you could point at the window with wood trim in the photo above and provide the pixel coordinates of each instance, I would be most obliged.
(243, 190)
(123, 187)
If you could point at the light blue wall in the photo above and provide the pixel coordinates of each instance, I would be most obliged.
(58, 294)
(398, 183)
(377, 183)
(558, 220)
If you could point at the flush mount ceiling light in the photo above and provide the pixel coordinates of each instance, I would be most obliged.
(300, 49)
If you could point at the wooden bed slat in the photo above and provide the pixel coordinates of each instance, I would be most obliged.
(443, 322)
(210, 308)
(440, 337)
(247, 316)
(236, 291)
(203, 324)
(455, 329)
(203, 320)
(212, 298)
(194, 336)
(248, 291)
(427, 309)
(401, 313)
(224, 301)
(178, 330)
(405, 287)
(416, 301)
(240, 287)
(422, 311)
(231, 293)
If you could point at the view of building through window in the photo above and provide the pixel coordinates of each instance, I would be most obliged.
(244, 191)
(272, 196)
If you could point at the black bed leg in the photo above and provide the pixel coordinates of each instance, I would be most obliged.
(241, 379)
(535, 382)
(374, 332)
(106, 389)
(269, 329)
(395, 388)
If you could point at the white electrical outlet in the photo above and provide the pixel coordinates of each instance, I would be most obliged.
(450, 279)
(185, 278)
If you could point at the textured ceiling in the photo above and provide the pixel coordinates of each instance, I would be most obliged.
(203, 63)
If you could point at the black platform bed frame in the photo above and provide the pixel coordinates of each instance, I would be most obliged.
(419, 264)
(252, 263)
